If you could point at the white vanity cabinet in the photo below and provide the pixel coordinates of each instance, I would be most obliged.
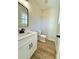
(27, 45)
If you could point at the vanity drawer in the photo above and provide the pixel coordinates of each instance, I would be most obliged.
(27, 40)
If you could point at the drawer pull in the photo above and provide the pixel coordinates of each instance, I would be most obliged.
(30, 45)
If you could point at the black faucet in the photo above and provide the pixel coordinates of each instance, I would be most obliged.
(22, 30)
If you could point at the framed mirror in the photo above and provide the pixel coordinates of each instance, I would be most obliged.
(23, 16)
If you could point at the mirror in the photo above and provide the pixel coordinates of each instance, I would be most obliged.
(23, 17)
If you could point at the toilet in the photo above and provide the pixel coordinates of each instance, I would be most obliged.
(42, 37)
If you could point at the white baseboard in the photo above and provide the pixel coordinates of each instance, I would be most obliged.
(51, 39)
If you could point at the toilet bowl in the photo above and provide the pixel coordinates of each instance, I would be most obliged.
(42, 37)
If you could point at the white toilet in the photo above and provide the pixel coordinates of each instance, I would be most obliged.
(42, 37)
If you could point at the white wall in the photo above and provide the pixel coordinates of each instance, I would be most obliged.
(49, 22)
(35, 16)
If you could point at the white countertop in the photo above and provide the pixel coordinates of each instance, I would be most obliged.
(26, 34)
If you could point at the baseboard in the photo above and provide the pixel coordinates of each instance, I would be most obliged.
(51, 39)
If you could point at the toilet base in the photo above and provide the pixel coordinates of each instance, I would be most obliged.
(42, 40)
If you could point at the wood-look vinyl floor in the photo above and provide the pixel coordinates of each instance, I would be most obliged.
(45, 50)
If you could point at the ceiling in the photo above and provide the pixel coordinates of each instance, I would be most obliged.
(43, 4)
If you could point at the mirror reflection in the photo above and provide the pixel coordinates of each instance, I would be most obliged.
(22, 15)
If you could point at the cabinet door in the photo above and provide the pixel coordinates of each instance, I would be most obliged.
(23, 52)
(33, 45)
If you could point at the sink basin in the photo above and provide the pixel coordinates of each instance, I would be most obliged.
(26, 34)
(22, 34)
